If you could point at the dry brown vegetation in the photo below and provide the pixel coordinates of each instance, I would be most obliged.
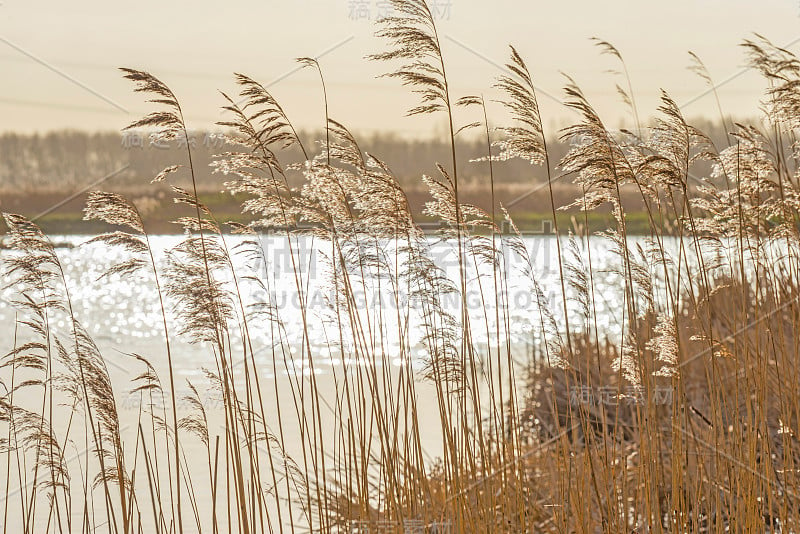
(681, 417)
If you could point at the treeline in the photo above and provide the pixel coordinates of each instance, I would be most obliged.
(68, 160)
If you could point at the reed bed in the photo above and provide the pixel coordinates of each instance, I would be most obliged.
(681, 416)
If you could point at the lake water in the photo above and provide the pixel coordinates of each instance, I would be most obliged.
(122, 313)
(123, 316)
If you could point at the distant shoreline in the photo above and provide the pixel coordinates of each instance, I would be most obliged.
(528, 224)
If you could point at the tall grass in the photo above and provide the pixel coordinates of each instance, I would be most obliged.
(678, 416)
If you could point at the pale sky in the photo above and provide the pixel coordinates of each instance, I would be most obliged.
(59, 58)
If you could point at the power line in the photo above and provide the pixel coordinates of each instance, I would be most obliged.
(312, 81)
(92, 109)
(213, 120)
